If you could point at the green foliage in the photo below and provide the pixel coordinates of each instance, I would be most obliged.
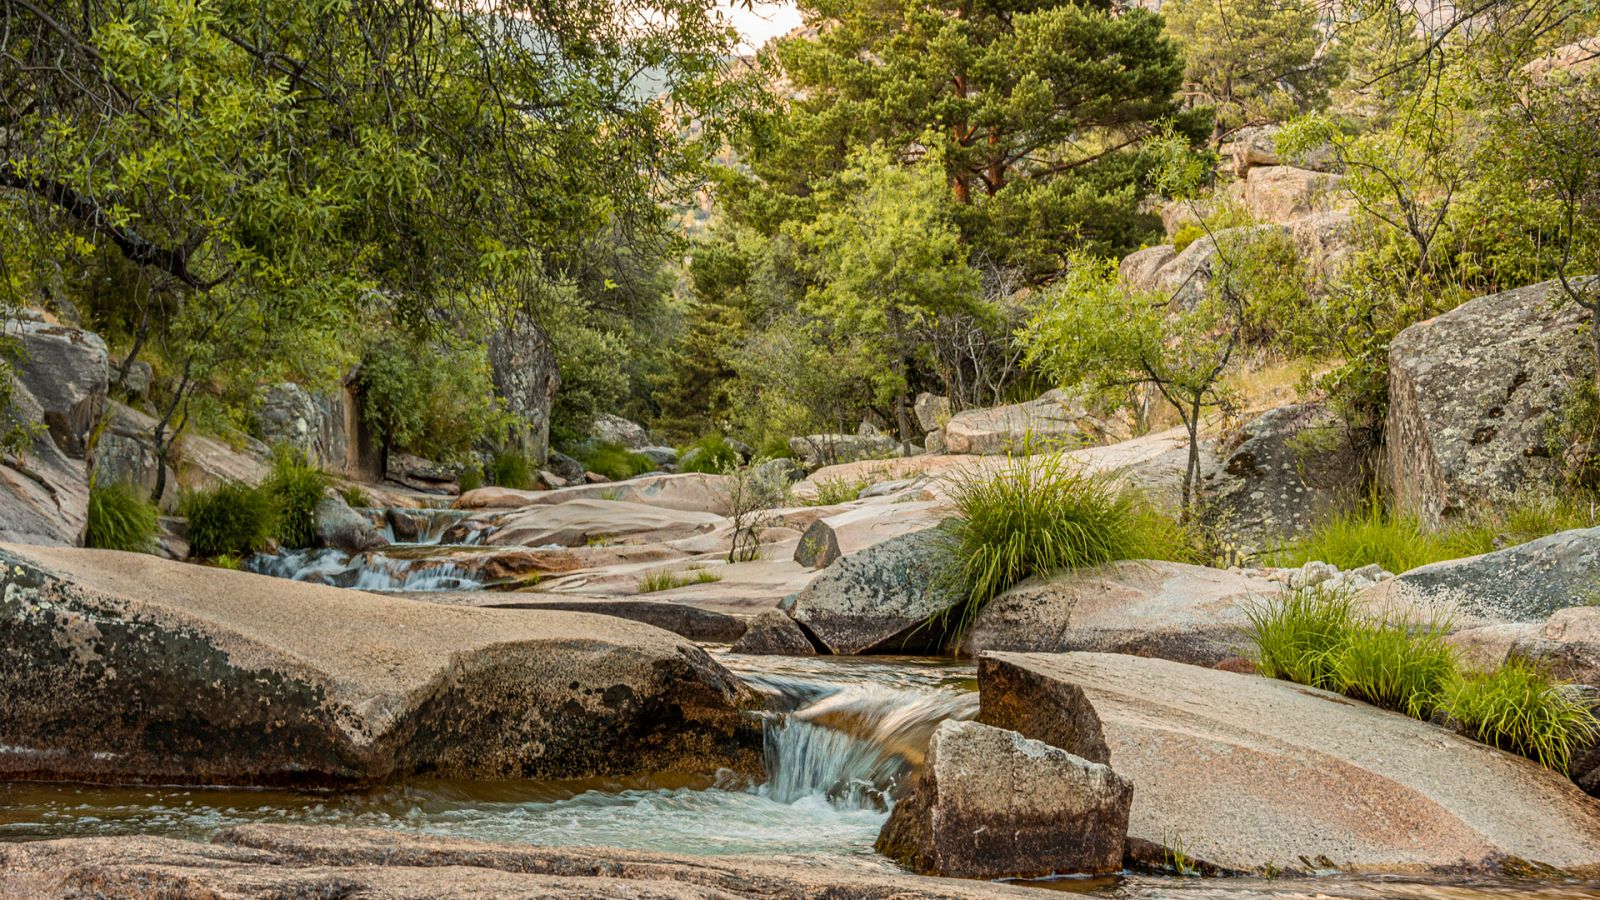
(356, 497)
(614, 461)
(231, 518)
(669, 579)
(1040, 515)
(1522, 710)
(432, 401)
(1315, 636)
(294, 487)
(471, 477)
(833, 491)
(227, 561)
(120, 518)
(711, 454)
(508, 468)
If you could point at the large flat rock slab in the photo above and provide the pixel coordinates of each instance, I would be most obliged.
(581, 522)
(688, 491)
(1249, 774)
(1191, 614)
(118, 667)
(298, 861)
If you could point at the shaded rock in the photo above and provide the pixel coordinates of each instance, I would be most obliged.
(1525, 583)
(124, 667)
(1255, 145)
(301, 861)
(1191, 614)
(990, 803)
(343, 528)
(1055, 420)
(1473, 393)
(1253, 775)
(879, 599)
(774, 634)
(564, 467)
(828, 449)
(313, 424)
(421, 474)
(661, 456)
(781, 471)
(1279, 194)
(45, 498)
(66, 371)
(818, 546)
(527, 375)
(126, 451)
(1140, 268)
(578, 522)
(612, 429)
(135, 383)
(931, 411)
(854, 530)
(934, 442)
(1292, 466)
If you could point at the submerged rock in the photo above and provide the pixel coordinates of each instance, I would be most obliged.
(991, 803)
(879, 599)
(1191, 614)
(774, 634)
(301, 861)
(124, 667)
(1250, 774)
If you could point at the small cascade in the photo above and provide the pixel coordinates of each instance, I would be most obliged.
(373, 571)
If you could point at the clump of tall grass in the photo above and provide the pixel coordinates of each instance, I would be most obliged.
(1316, 637)
(1521, 710)
(231, 519)
(294, 487)
(355, 496)
(668, 580)
(711, 454)
(614, 461)
(1042, 514)
(833, 491)
(120, 518)
(509, 469)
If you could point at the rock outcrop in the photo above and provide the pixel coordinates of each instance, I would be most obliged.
(526, 373)
(879, 599)
(66, 371)
(1190, 614)
(1139, 270)
(299, 861)
(1524, 583)
(1254, 775)
(1472, 395)
(126, 451)
(314, 424)
(854, 530)
(990, 803)
(342, 528)
(931, 411)
(1292, 466)
(689, 491)
(1056, 420)
(611, 429)
(124, 667)
(576, 523)
(774, 634)
(1278, 195)
(829, 449)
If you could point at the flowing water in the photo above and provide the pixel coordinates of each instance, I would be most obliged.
(419, 563)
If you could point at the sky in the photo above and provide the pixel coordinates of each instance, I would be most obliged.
(763, 21)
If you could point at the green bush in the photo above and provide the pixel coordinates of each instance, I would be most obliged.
(231, 519)
(294, 487)
(120, 518)
(508, 468)
(1040, 515)
(471, 477)
(833, 491)
(711, 454)
(1298, 636)
(614, 461)
(355, 496)
(433, 399)
(1521, 710)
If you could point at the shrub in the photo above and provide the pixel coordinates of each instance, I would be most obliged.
(471, 477)
(1395, 665)
(1187, 234)
(614, 461)
(666, 581)
(833, 491)
(711, 454)
(508, 468)
(1522, 710)
(120, 518)
(229, 519)
(433, 399)
(1298, 636)
(295, 487)
(1039, 515)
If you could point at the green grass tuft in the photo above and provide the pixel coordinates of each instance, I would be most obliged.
(1522, 710)
(833, 491)
(614, 461)
(1298, 637)
(1396, 665)
(356, 496)
(231, 519)
(510, 469)
(120, 518)
(711, 454)
(668, 580)
(295, 487)
(471, 477)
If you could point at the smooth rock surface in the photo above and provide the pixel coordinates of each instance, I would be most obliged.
(854, 530)
(285, 861)
(45, 498)
(128, 668)
(1252, 774)
(1169, 610)
(773, 633)
(613, 429)
(1140, 268)
(314, 424)
(931, 411)
(990, 803)
(66, 371)
(879, 599)
(1055, 420)
(576, 523)
(1524, 583)
(1292, 467)
(343, 528)
(681, 619)
(688, 491)
(1473, 393)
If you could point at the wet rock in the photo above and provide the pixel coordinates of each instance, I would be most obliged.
(879, 599)
(1140, 268)
(1056, 420)
(1473, 393)
(773, 633)
(612, 429)
(990, 803)
(342, 528)
(128, 668)
(579, 522)
(828, 449)
(1525, 583)
(1255, 775)
(931, 411)
(1191, 614)
(66, 371)
(1292, 467)
(302, 861)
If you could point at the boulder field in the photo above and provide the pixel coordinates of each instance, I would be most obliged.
(123, 667)
(1245, 774)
